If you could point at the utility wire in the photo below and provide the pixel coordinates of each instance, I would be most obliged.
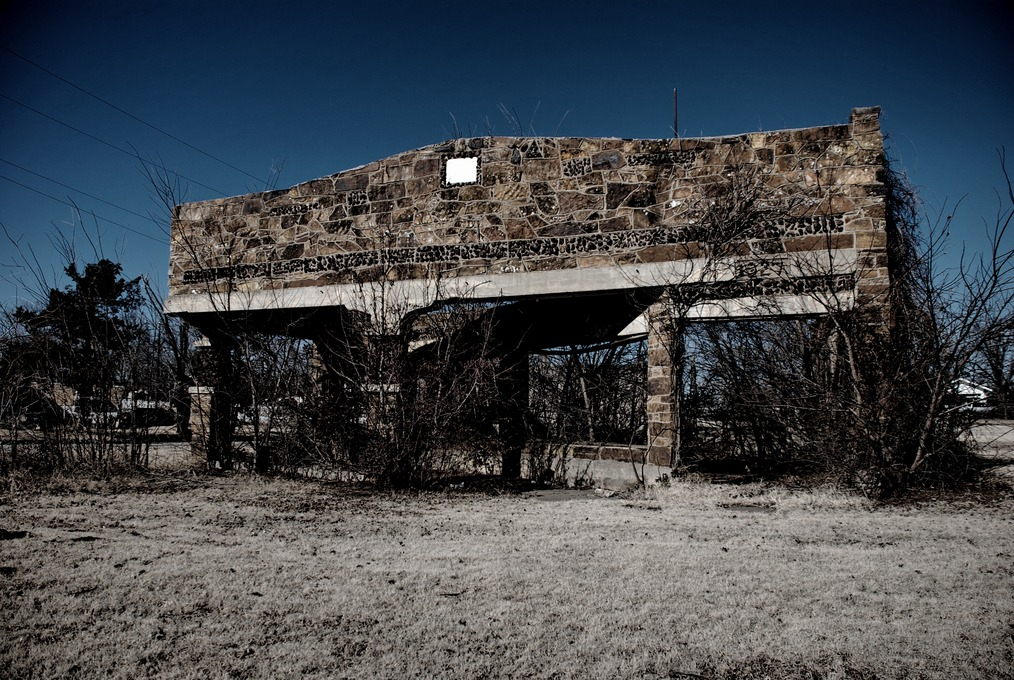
(106, 219)
(83, 193)
(110, 144)
(130, 115)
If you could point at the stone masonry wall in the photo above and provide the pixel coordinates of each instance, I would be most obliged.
(543, 204)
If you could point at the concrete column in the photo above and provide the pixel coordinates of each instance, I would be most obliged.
(385, 375)
(340, 380)
(514, 388)
(212, 417)
(660, 401)
(200, 418)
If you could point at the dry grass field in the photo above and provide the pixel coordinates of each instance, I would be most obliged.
(179, 575)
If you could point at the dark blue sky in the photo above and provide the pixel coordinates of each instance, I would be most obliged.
(315, 88)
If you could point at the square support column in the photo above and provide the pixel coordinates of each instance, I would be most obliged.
(514, 387)
(212, 417)
(661, 403)
(340, 415)
(200, 419)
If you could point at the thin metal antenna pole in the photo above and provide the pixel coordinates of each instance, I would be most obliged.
(675, 117)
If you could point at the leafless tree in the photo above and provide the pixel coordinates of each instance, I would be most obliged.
(591, 393)
(867, 400)
(71, 358)
(994, 369)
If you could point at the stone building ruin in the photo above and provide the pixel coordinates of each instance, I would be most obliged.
(577, 241)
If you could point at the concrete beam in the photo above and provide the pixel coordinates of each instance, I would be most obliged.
(398, 298)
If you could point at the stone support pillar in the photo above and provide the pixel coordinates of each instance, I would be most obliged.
(338, 415)
(200, 419)
(212, 417)
(513, 384)
(386, 371)
(660, 399)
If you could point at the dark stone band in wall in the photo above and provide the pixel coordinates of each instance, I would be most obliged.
(760, 287)
(681, 158)
(553, 246)
(293, 209)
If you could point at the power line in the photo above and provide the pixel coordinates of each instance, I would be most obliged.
(110, 144)
(130, 115)
(97, 216)
(83, 193)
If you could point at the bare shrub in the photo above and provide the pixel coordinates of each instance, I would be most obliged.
(71, 364)
(861, 398)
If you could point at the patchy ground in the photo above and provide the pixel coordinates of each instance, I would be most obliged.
(234, 576)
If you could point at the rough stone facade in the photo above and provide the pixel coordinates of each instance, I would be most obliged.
(538, 204)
